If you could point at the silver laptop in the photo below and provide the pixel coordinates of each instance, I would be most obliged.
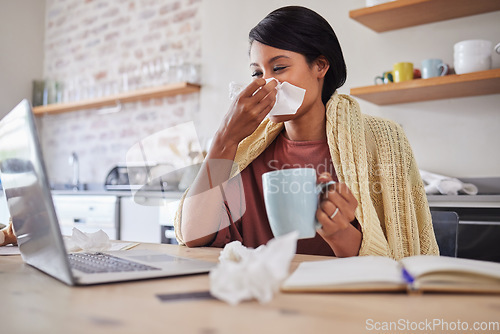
(41, 244)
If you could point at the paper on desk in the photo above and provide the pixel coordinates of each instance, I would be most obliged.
(70, 247)
(245, 273)
(93, 242)
(9, 250)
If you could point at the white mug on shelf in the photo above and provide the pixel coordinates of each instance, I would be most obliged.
(472, 56)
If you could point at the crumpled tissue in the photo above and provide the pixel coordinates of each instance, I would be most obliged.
(89, 242)
(245, 273)
(288, 99)
(445, 185)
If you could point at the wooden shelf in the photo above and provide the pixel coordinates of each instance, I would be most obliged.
(408, 13)
(137, 95)
(418, 90)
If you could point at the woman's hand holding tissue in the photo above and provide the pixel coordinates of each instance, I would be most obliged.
(248, 110)
(335, 213)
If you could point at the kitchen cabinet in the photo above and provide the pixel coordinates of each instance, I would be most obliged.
(437, 88)
(408, 13)
(148, 218)
(88, 213)
(137, 95)
(167, 216)
(139, 221)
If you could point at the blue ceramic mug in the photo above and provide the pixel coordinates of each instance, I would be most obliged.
(291, 197)
(433, 68)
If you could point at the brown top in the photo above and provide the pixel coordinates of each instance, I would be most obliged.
(253, 229)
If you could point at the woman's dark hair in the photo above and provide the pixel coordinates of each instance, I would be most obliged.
(299, 29)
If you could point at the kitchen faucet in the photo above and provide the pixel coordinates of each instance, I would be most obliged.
(73, 160)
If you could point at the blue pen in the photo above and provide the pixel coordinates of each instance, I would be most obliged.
(407, 276)
(409, 279)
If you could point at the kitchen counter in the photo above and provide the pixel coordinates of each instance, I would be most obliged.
(467, 201)
(488, 197)
(120, 193)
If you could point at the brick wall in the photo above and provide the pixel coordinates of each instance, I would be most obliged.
(97, 47)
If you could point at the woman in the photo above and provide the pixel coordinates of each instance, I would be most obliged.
(379, 205)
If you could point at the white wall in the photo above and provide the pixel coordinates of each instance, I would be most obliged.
(457, 137)
(21, 49)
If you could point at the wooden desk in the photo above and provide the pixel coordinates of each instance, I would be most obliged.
(33, 302)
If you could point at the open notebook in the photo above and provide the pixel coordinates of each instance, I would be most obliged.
(417, 273)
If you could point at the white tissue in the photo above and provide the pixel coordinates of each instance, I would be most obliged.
(245, 273)
(445, 185)
(288, 100)
(234, 90)
(89, 242)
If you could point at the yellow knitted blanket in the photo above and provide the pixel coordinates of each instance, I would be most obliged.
(373, 158)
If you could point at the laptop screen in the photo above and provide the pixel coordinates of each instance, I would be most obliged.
(26, 189)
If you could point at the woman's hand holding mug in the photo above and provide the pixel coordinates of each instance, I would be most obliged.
(337, 208)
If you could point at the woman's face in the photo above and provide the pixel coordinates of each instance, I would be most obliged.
(268, 62)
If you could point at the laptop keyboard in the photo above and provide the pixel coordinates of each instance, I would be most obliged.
(92, 263)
